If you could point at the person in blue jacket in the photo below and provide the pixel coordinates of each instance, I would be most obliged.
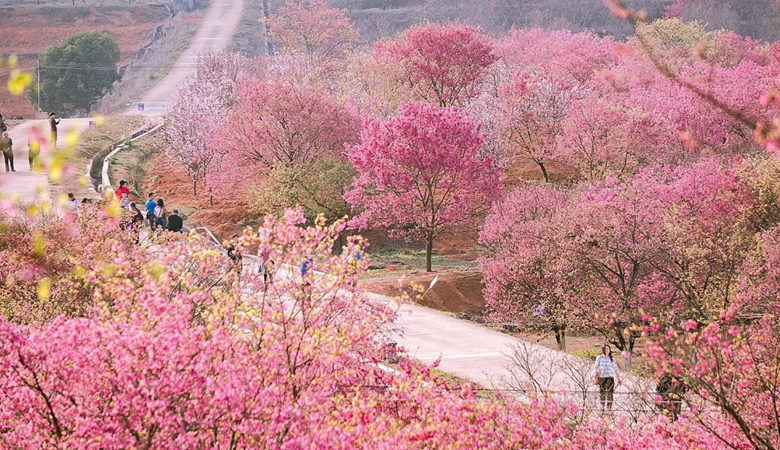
(150, 205)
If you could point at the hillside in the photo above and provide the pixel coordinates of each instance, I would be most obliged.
(379, 18)
(26, 31)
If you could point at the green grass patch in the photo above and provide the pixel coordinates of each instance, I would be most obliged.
(90, 143)
(132, 164)
(410, 261)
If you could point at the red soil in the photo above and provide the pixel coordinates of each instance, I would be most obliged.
(28, 31)
(456, 292)
(173, 184)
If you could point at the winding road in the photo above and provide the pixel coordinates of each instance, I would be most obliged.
(215, 33)
(462, 348)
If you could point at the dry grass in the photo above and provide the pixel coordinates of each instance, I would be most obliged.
(89, 144)
(144, 73)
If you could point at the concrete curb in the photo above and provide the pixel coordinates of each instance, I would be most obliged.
(105, 180)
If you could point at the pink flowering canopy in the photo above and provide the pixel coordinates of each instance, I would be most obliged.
(443, 64)
(421, 172)
(313, 29)
(186, 353)
(279, 124)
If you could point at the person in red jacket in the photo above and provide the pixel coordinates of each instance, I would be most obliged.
(122, 189)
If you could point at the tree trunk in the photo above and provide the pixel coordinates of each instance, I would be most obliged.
(560, 337)
(428, 252)
(195, 188)
(544, 172)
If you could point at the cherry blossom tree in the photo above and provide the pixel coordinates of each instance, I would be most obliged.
(420, 173)
(186, 356)
(198, 109)
(312, 28)
(285, 140)
(577, 55)
(526, 281)
(46, 262)
(533, 108)
(601, 138)
(440, 64)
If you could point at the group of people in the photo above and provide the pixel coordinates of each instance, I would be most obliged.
(157, 215)
(33, 143)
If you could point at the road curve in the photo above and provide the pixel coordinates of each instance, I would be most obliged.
(215, 33)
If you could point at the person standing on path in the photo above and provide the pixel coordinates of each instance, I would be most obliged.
(234, 253)
(607, 376)
(7, 147)
(150, 205)
(53, 122)
(161, 214)
(3, 126)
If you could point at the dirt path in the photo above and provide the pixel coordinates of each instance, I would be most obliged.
(215, 33)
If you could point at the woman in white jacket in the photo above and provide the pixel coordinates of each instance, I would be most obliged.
(607, 377)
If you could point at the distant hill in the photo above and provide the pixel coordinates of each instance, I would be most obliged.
(27, 31)
(378, 18)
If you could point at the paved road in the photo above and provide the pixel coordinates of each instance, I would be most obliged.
(24, 185)
(215, 33)
(486, 357)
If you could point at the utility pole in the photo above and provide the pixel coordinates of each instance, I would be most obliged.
(39, 82)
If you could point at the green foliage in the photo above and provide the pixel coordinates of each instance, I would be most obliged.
(677, 33)
(76, 73)
(588, 353)
(318, 188)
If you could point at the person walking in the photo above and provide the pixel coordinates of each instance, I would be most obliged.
(607, 375)
(53, 122)
(175, 222)
(122, 189)
(235, 255)
(3, 126)
(7, 147)
(161, 214)
(150, 205)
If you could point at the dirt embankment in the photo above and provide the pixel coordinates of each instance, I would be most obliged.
(27, 31)
(455, 292)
